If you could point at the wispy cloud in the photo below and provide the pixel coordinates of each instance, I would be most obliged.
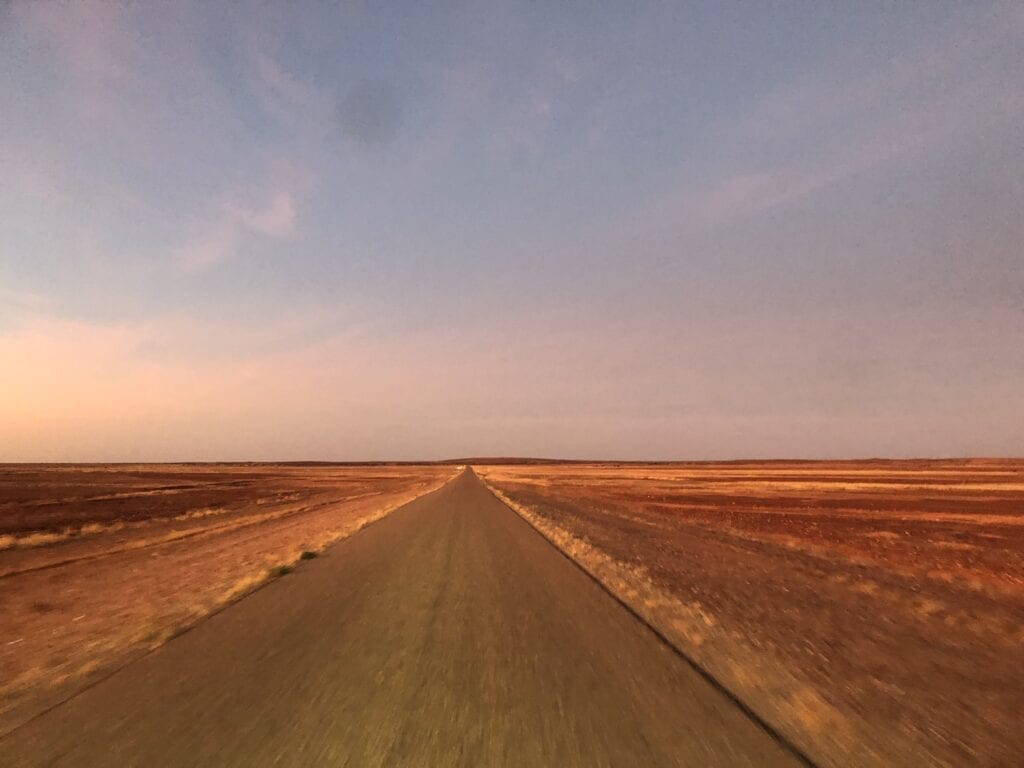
(534, 106)
(92, 38)
(277, 219)
(927, 126)
(748, 193)
(856, 86)
(221, 236)
(421, 168)
(157, 390)
(832, 125)
(296, 103)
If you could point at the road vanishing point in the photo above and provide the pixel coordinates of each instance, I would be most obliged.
(449, 633)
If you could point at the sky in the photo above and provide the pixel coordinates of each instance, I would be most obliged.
(587, 230)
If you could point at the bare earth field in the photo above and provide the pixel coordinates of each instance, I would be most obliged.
(871, 611)
(101, 563)
(447, 634)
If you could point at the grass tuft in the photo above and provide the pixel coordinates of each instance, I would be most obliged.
(307, 555)
(280, 570)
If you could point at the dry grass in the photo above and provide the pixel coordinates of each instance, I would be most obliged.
(73, 605)
(41, 539)
(872, 611)
(786, 698)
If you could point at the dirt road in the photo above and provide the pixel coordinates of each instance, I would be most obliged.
(449, 633)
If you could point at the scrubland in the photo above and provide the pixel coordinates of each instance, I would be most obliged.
(99, 563)
(873, 612)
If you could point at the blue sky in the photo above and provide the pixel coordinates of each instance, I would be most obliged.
(666, 230)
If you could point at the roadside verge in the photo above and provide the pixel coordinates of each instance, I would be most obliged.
(66, 626)
(756, 679)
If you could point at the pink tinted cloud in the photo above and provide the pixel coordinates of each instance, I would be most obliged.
(848, 89)
(98, 48)
(845, 120)
(159, 390)
(276, 220)
(751, 192)
(221, 237)
(284, 95)
(92, 38)
(215, 244)
(927, 126)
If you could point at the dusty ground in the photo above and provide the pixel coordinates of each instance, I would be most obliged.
(101, 563)
(873, 611)
(448, 634)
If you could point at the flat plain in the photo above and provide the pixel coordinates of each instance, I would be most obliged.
(873, 611)
(447, 634)
(826, 613)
